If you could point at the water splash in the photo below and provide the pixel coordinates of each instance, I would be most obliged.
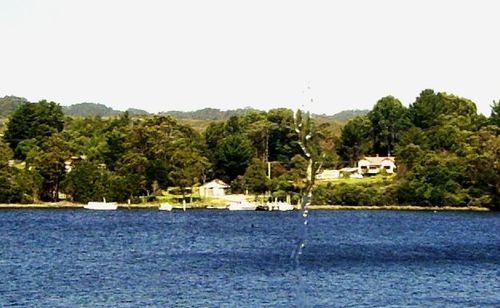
(303, 127)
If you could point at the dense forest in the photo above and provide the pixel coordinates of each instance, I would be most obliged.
(446, 153)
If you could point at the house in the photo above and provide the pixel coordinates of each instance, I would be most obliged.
(373, 164)
(213, 188)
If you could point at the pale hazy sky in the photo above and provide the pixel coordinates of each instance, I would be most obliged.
(187, 55)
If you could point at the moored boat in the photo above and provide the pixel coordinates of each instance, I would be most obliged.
(285, 206)
(102, 206)
(165, 207)
(280, 206)
(242, 206)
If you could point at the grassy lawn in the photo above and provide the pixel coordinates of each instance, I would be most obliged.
(375, 179)
(192, 201)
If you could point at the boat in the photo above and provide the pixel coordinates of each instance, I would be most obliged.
(102, 206)
(263, 207)
(213, 207)
(165, 207)
(280, 206)
(284, 206)
(242, 205)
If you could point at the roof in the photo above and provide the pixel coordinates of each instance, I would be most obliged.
(215, 184)
(377, 160)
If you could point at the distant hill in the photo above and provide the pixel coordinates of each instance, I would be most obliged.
(8, 104)
(347, 115)
(208, 114)
(89, 109)
(200, 119)
(217, 114)
(133, 111)
(93, 109)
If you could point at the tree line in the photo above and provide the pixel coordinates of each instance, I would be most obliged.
(126, 157)
(447, 154)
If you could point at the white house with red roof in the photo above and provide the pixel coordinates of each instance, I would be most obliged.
(373, 164)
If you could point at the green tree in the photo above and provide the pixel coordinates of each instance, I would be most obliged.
(5, 155)
(115, 148)
(187, 168)
(482, 163)
(16, 186)
(435, 181)
(446, 137)
(495, 114)
(408, 157)
(255, 177)
(355, 140)
(387, 121)
(214, 134)
(291, 181)
(5, 174)
(49, 162)
(87, 181)
(233, 157)
(232, 125)
(413, 135)
(258, 130)
(33, 120)
(432, 109)
(132, 168)
(328, 141)
(283, 139)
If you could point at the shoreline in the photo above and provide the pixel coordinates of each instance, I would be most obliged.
(399, 208)
(69, 205)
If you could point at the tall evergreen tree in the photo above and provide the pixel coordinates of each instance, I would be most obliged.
(387, 118)
(33, 121)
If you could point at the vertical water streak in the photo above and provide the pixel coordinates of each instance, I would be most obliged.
(304, 131)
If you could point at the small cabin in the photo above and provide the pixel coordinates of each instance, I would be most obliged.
(213, 188)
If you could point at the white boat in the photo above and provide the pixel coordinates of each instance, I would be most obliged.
(280, 206)
(285, 206)
(103, 206)
(242, 206)
(165, 207)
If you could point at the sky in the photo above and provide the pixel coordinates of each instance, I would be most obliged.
(322, 56)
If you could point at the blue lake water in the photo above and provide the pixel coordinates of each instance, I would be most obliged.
(137, 258)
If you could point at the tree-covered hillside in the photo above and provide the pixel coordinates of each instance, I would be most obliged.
(8, 104)
(89, 109)
(446, 154)
(212, 114)
(92, 109)
(347, 115)
(220, 115)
